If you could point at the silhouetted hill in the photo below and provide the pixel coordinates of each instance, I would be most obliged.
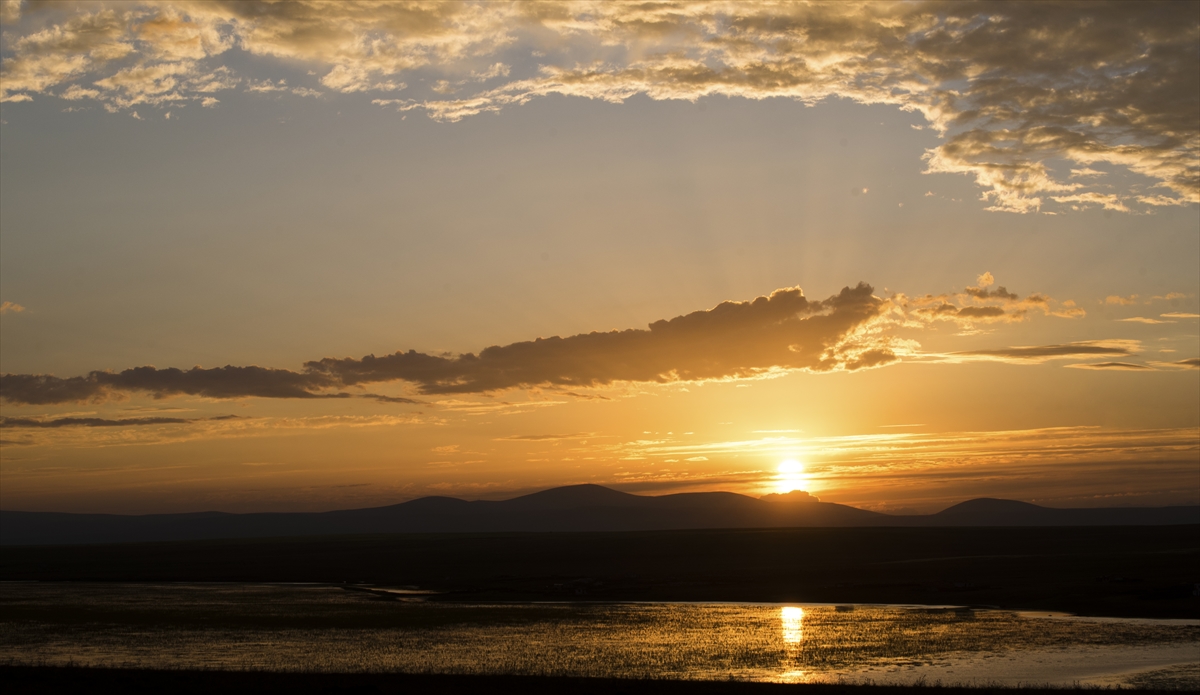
(993, 512)
(573, 508)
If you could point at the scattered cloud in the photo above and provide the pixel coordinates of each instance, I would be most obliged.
(1121, 301)
(6, 307)
(1180, 315)
(981, 304)
(1143, 319)
(1013, 90)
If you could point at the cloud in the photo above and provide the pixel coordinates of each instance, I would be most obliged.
(1143, 319)
(389, 399)
(1027, 98)
(1042, 353)
(779, 332)
(982, 304)
(6, 307)
(219, 382)
(762, 338)
(1179, 315)
(10, 10)
(1121, 301)
(1190, 363)
(42, 423)
(1105, 366)
(545, 437)
(733, 340)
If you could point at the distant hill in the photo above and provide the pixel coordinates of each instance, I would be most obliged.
(565, 509)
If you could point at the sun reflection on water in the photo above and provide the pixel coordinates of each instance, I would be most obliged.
(791, 620)
(329, 629)
(791, 628)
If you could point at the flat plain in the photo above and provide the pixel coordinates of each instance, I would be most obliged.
(1150, 572)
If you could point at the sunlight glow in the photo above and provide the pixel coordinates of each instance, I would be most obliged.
(790, 477)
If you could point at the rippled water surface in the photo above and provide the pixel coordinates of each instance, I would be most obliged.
(322, 628)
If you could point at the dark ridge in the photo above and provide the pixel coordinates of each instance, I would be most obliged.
(575, 508)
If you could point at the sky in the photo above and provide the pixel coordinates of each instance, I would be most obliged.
(310, 256)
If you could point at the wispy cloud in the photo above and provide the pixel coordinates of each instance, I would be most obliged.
(1190, 363)
(982, 303)
(1112, 366)
(1043, 353)
(545, 437)
(54, 423)
(1010, 88)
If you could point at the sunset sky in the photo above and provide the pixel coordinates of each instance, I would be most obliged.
(310, 256)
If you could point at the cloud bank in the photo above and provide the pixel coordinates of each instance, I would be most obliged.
(1045, 105)
(774, 334)
(782, 331)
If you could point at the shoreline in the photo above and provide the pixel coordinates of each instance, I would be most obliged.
(1130, 572)
(22, 679)
(404, 596)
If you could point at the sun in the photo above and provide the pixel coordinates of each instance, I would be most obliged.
(790, 476)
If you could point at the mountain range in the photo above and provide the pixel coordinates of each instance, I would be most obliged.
(575, 508)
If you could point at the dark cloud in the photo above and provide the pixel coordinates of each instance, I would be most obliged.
(998, 293)
(389, 399)
(785, 330)
(586, 396)
(219, 382)
(103, 422)
(734, 339)
(981, 312)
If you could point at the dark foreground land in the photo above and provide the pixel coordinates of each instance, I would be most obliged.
(1111, 571)
(21, 680)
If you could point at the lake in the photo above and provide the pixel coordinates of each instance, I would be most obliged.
(292, 627)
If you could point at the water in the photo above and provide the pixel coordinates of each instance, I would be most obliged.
(323, 628)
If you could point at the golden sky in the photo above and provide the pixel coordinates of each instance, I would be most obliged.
(309, 255)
